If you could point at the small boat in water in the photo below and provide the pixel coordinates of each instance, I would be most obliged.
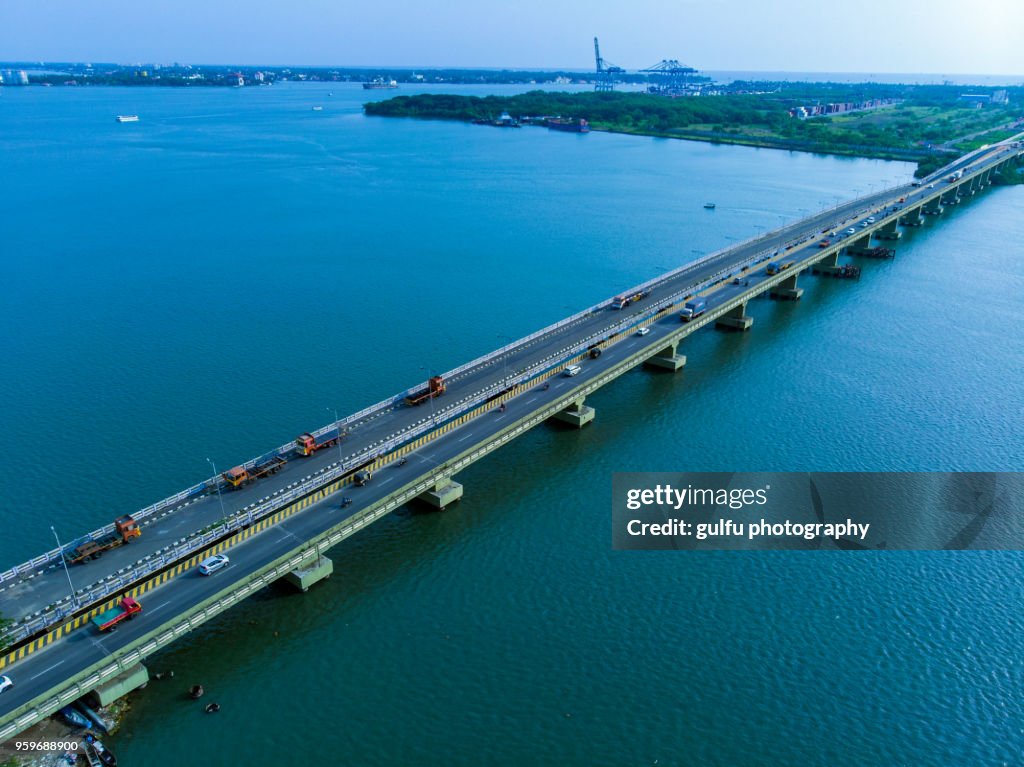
(318, 109)
(101, 724)
(379, 83)
(709, 205)
(102, 753)
(73, 717)
(195, 692)
(127, 118)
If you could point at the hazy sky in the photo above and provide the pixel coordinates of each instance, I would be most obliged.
(928, 36)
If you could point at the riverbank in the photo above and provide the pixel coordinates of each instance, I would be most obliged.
(929, 126)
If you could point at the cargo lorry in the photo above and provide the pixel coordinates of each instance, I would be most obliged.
(125, 611)
(693, 309)
(307, 444)
(435, 388)
(125, 528)
(240, 475)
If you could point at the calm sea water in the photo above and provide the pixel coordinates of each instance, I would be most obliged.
(208, 281)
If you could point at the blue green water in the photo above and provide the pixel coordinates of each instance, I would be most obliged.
(208, 281)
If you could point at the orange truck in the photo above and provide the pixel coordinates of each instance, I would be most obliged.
(125, 528)
(435, 388)
(239, 475)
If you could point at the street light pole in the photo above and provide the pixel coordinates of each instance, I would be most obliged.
(337, 425)
(216, 478)
(64, 561)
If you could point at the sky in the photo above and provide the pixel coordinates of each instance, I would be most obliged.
(912, 36)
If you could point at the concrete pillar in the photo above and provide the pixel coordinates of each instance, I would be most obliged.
(888, 231)
(828, 265)
(305, 576)
(577, 414)
(446, 492)
(912, 217)
(859, 245)
(934, 206)
(787, 289)
(667, 358)
(133, 679)
(736, 318)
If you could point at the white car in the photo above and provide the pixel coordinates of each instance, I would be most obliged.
(851, 230)
(643, 331)
(5, 683)
(572, 370)
(871, 219)
(213, 564)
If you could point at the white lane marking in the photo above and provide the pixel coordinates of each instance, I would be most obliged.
(499, 418)
(532, 399)
(154, 609)
(47, 670)
(385, 481)
(463, 439)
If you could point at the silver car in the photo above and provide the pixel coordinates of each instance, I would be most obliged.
(213, 564)
(5, 683)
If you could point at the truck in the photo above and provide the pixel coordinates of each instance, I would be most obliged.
(693, 309)
(125, 611)
(956, 176)
(362, 477)
(239, 476)
(621, 302)
(435, 388)
(307, 444)
(125, 528)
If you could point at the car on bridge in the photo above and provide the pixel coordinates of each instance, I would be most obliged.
(851, 230)
(213, 564)
(5, 683)
(643, 331)
(572, 370)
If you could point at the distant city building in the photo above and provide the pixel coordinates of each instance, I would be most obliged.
(976, 99)
(1001, 97)
(817, 110)
(257, 76)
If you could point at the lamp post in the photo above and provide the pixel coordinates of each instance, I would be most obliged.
(64, 561)
(216, 478)
(337, 425)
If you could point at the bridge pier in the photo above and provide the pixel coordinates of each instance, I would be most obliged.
(912, 217)
(304, 576)
(949, 197)
(133, 679)
(577, 414)
(787, 289)
(446, 492)
(888, 231)
(828, 265)
(934, 207)
(736, 318)
(860, 245)
(667, 358)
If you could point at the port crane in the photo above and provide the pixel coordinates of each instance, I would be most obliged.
(605, 71)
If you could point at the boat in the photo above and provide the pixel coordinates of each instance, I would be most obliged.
(379, 83)
(73, 717)
(709, 205)
(571, 126)
(127, 118)
(195, 692)
(101, 752)
(318, 109)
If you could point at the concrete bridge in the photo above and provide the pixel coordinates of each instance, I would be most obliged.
(281, 526)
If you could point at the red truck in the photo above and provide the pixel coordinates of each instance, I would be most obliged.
(435, 388)
(307, 444)
(125, 611)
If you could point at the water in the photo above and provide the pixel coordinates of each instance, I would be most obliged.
(209, 281)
